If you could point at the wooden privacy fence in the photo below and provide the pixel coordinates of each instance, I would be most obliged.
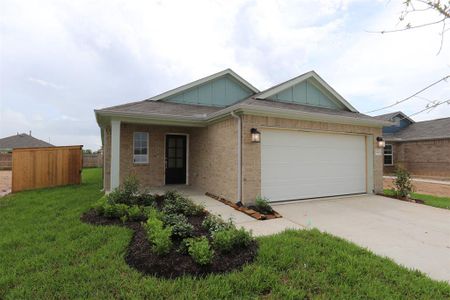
(34, 168)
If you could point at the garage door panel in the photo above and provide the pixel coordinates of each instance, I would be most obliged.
(298, 165)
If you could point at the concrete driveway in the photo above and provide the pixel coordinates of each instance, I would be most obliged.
(414, 235)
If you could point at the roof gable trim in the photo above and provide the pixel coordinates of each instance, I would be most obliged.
(290, 83)
(204, 80)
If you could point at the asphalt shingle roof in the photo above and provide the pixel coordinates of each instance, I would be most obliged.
(304, 108)
(22, 140)
(433, 129)
(150, 107)
(199, 112)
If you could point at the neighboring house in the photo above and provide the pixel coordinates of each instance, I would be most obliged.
(21, 140)
(423, 148)
(299, 139)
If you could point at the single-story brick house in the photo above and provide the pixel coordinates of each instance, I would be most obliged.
(423, 148)
(299, 139)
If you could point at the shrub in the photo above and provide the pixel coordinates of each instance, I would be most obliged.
(262, 205)
(115, 210)
(213, 223)
(181, 228)
(161, 240)
(135, 213)
(126, 193)
(200, 250)
(175, 203)
(146, 199)
(158, 236)
(226, 240)
(402, 182)
(99, 206)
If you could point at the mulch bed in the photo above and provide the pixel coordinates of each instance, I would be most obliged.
(140, 256)
(251, 210)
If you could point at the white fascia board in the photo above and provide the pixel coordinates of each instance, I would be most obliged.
(202, 81)
(301, 78)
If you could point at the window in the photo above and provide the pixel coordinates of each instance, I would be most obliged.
(388, 155)
(140, 147)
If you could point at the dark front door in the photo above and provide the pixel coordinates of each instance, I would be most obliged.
(175, 159)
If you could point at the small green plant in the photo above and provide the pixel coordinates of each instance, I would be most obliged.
(99, 206)
(213, 223)
(403, 184)
(200, 250)
(227, 240)
(135, 213)
(115, 210)
(159, 237)
(262, 205)
(181, 228)
(161, 240)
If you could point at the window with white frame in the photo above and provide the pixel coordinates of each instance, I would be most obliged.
(388, 155)
(140, 147)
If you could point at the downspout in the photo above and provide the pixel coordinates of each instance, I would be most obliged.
(239, 157)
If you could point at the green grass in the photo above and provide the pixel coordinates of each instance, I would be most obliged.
(47, 253)
(441, 202)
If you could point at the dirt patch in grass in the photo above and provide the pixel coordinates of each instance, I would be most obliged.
(140, 256)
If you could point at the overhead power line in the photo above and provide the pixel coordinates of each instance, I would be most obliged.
(430, 107)
(412, 96)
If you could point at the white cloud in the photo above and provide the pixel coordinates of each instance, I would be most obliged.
(60, 60)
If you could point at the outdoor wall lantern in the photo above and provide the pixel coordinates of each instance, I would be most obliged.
(256, 135)
(380, 142)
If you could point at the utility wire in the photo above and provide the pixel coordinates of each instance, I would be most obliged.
(412, 96)
(430, 107)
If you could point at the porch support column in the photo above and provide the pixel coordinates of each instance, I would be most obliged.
(115, 153)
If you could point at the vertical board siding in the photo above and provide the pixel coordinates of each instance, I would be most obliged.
(306, 93)
(34, 168)
(222, 91)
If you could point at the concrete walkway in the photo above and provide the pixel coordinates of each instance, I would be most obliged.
(259, 228)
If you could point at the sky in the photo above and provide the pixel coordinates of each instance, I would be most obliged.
(60, 60)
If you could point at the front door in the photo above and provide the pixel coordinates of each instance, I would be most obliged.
(175, 159)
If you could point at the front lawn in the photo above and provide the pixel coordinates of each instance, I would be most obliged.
(441, 202)
(46, 252)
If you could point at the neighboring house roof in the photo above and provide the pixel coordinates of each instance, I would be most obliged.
(157, 110)
(425, 130)
(391, 116)
(22, 140)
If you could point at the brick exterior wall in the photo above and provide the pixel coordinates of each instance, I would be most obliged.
(212, 161)
(251, 156)
(212, 164)
(422, 158)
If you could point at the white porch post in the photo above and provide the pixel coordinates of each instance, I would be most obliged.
(115, 153)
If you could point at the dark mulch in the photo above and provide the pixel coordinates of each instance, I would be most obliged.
(139, 254)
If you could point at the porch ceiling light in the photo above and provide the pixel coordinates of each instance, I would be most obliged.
(256, 135)
(380, 142)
